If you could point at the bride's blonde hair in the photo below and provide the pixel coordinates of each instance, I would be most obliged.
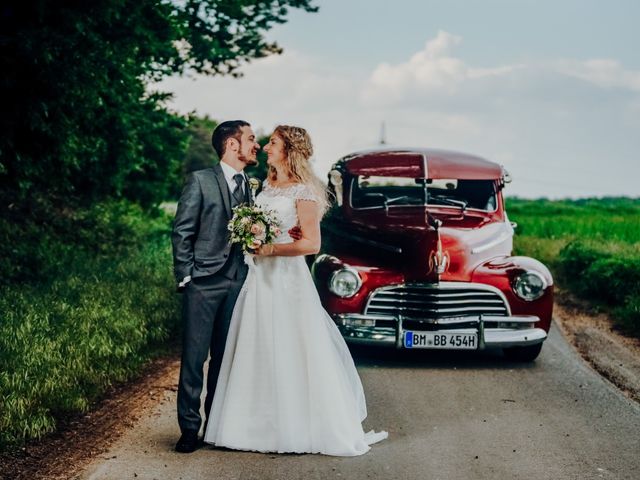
(298, 149)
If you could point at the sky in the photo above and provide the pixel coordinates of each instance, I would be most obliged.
(550, 89)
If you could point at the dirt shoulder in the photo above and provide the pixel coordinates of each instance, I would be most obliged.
(81, 438)
(612, 354)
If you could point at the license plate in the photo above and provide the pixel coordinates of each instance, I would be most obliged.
(448, 340)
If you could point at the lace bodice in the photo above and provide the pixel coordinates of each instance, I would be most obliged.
(283, 202)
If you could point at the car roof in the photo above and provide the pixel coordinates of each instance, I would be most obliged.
(420, 163)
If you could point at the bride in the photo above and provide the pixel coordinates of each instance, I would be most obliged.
(287, 381)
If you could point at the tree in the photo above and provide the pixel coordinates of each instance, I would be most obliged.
(200, 154)
(78, 119)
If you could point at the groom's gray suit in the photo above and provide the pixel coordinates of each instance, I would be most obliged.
(201, 250)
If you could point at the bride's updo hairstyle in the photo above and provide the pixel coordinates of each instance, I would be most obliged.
(298, 148)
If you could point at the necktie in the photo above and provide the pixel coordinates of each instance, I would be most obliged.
(238, 194)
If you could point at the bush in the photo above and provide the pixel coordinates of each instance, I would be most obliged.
(574, 259)
(42, 239)
(610, 278)
(592, 247)
(98, 302)
(628, 316)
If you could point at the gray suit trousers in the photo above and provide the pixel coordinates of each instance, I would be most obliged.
(207, 307)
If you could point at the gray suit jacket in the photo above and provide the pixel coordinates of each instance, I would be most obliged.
(200, 237)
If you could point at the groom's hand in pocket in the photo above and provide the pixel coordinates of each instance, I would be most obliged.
(181, 287)
(295, 233)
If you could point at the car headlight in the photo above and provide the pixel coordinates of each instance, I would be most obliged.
(345, 282)
(529, 285)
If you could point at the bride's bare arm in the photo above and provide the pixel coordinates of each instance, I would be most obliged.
(309, 243)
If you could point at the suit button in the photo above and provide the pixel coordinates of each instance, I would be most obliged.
(225, 255)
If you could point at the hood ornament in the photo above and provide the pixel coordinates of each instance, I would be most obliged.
(438, 260)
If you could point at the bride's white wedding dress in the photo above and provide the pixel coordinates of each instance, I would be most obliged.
(287, 381)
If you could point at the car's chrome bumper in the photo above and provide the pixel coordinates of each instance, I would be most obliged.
(493, 331)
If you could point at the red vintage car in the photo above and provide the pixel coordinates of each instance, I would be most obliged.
(417, 254)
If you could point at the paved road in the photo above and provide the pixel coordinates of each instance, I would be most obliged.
(448, 416)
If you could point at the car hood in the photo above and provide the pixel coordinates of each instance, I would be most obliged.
(411, 244)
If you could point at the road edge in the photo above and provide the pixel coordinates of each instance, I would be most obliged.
(611, 354)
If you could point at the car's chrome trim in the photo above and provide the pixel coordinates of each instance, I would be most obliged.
(441, 310)
(382, 299)
(350, 326)
(425, 162)
(514, 338)
(451, 295)
(545, 284)
(444, 292)
(350, 270)
(484, 247)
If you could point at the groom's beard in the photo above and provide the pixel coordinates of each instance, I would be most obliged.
(247, 161)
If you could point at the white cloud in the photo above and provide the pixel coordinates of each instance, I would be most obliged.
(429, 71)
(436, 73)
(603, 72)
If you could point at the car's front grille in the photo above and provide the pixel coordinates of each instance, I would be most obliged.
(436, 301)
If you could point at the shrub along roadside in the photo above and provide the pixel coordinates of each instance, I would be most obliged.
(592, 247)
(97, 312)
(612, 279)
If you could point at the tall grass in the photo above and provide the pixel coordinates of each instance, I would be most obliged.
(592, 247)
(94, 314)
(606, 220)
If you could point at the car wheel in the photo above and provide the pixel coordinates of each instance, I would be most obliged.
(523, 354)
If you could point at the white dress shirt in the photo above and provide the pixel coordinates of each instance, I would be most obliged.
(229, 172)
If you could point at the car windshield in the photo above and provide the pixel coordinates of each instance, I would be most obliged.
(381, 192)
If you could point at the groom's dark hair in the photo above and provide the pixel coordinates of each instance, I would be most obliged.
(230, 128)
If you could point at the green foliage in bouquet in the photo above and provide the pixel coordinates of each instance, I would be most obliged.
(252, 226)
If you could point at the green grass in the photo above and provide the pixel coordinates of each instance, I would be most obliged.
(95, 305)
(592, 247)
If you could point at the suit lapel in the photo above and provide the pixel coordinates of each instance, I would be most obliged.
(224, 188)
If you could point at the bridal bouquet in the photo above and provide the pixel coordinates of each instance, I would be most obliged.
(252, 227)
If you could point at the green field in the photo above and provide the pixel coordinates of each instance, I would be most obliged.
(592, 247)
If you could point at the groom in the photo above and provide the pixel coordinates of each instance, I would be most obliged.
(209, 270)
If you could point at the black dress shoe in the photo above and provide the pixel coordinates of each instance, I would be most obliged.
(188, 442)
